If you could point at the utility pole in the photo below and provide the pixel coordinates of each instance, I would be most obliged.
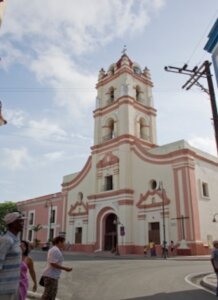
(195, 74)
(2, 120)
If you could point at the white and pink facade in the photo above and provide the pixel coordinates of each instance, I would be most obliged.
(132, 191)
(44, 212)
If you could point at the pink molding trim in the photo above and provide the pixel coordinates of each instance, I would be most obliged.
(98, 224)
(73, 212)
(128, 100)
(65, 200)
(71, 184)
(143, 198)
(194, 205)
(110, 194)
(177, 201)
(108, 160)
(186, 195)
(91, 206)
(123, 139)
(40, 199)
(126, 202)
(121, 71)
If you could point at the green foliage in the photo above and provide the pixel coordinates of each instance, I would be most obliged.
(36, 228)
(36, 243)
(5, 208)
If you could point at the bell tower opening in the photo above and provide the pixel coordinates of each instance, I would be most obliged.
(110, 236)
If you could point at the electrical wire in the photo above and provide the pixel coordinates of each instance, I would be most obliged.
(203, 36)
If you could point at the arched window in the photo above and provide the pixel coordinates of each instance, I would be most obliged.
(109, 130)
(111, 70)
(137, 70)
(112, 94)
(137, 93)
(143, 129)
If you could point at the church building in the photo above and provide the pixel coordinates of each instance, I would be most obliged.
(132, 191)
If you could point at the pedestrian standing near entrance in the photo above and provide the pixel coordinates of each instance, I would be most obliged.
(152, 248)
(172, 248)
(164, 249)
(214, 261)
(52, 272)
(10, 257)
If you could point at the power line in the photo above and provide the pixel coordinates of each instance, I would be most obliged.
(203, 36)
(194, 75)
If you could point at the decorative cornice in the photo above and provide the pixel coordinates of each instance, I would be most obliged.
(123, 100)
(78, 209)
(162, 197)
(109, 194)
(105, 80)
(122, 139)
(108, 160)
(81, 175)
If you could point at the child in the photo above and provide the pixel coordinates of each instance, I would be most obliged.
(145, 250)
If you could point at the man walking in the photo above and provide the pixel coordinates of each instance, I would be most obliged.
(10, 257)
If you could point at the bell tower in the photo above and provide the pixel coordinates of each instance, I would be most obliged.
(124, 104)
(124, 116)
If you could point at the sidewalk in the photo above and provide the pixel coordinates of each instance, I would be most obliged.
(208, 280)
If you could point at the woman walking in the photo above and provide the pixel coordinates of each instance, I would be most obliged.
(26, 264)
(53, 270)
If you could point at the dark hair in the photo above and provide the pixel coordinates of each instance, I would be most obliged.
(26, 252)
(58, 239)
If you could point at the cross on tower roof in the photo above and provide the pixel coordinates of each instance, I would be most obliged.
(124, 50)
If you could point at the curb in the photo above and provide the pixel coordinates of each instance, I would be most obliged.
(32, 295)
(210, 282)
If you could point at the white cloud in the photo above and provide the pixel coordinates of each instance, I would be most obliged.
(78, 25)
(54, 156)
(16, 118)
(55, 34)
(205, 144)
(45, 129)
(71, 85)
(16, 158)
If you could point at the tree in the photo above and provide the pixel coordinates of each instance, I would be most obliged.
(36, 228)
(5, 208)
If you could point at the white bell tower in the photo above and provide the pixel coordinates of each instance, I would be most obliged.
(124, 104)
(124, 116)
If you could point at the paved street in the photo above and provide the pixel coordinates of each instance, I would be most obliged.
(107, 278)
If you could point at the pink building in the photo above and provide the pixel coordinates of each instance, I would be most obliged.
(44, 218)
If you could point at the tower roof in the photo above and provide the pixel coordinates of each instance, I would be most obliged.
(124, 63)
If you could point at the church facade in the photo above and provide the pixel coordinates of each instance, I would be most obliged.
(132, 191)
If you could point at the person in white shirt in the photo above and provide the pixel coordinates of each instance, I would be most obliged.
(52, 272)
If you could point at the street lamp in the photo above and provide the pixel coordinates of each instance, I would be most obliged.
(50, 218)
(161, 188)
(214, 217)
(117, 223)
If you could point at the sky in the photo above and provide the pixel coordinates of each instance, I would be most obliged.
(51, 52)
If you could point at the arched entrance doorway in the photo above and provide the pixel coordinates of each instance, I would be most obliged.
(110, 235)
